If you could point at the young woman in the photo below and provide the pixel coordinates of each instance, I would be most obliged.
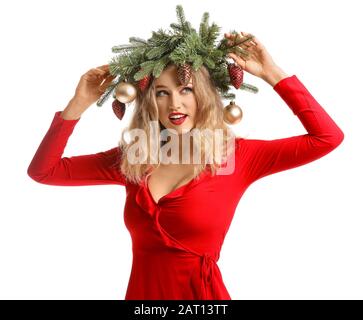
(178, 214)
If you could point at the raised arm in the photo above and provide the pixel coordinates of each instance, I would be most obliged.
(259, 158)
(48, 166)
(264, 157)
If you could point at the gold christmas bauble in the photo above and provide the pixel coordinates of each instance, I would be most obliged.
(232, 114)
(125, 92)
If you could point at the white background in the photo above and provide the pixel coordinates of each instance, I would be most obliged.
(295, 235)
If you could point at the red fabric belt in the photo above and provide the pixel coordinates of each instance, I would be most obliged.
(207, 275)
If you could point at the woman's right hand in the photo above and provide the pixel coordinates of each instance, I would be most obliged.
(90, 88)
(92, 85)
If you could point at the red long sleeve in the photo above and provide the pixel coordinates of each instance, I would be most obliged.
(264, 157)
(48, 166)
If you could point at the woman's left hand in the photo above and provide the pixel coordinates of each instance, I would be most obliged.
(259, 63)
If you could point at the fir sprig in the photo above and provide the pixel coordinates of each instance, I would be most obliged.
(180, 45)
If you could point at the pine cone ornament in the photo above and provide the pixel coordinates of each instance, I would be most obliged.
(118, 109)
(235, 74)
(144, 83)
(184, 74)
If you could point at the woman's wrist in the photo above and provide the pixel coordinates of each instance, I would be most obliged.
(74, 109)
(274, 75)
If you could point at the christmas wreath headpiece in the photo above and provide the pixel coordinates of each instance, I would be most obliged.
(141, 60)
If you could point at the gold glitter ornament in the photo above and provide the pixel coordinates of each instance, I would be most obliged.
(232, 114)
(125, 92)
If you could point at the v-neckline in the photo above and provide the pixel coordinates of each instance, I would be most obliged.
(180, 188)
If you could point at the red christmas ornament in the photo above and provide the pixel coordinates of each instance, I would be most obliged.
(144, 83)
(118, 109)
(235, 74)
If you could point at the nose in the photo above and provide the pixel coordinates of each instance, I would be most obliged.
(174, 102)
(174, 108)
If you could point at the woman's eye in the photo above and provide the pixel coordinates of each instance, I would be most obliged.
(188, 88)
(158, 93)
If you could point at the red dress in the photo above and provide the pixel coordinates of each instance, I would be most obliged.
(176, 242)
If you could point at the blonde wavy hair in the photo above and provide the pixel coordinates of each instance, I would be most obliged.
(209, 115)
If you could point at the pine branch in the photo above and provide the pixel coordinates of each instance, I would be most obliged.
(138, 41)
(158, 36)
(145, 69)
(209, 62)
(240, 52)
(123, 47)
(180, 16)
(176, 27)
(159, 66)
(106, 95)
(157, 52)
(212, 35)
(197, 62)
(204, 26)
(249, 88)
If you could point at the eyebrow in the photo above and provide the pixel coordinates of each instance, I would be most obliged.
(162, 86)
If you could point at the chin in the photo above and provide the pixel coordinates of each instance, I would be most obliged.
(185, 129)
(179, 131)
